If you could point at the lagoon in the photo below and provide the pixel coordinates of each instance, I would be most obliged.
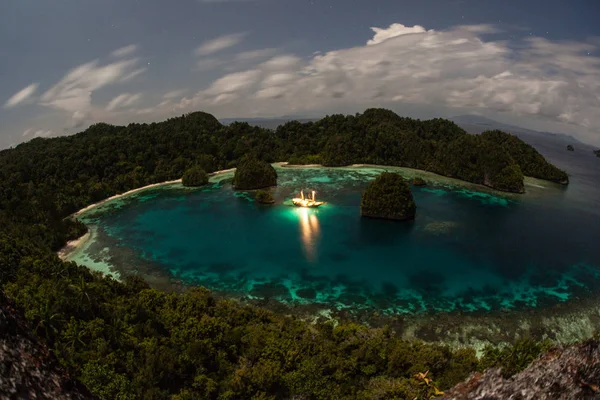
(469, 249)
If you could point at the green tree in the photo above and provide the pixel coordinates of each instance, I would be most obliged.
(389, 197)
(195, 176)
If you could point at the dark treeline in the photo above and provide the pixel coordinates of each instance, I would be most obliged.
(124, 340)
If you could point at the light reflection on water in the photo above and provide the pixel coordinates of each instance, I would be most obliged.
(311, 232)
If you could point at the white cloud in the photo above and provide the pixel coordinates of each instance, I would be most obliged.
(235, 82)
(133, 74)
(73, 92)
(555, 81)
(123, 101)
(21, 96)
(394, 30)
(27, 132)
(218, 44)
(174, 94)
(125, 51)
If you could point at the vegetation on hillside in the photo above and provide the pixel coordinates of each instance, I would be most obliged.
(194, 176)
(125, 340)
(388, 197)
(252, 173)
(529, 160)
(128, 341)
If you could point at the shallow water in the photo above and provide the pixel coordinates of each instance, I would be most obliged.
(469, 249)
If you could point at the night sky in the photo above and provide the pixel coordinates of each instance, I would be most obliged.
(66, 64)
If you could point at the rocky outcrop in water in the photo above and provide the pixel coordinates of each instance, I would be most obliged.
(388, 197)
(27, 369)
(254, 174)
(563, 373)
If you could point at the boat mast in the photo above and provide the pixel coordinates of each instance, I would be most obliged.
(302, 194)
(313, 192)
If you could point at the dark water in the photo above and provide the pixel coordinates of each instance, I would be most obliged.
(466, 250)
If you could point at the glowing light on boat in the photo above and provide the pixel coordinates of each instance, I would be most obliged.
(307, 202)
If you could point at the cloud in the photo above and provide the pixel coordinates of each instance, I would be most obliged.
(218, 44)
(393, 31)
(457, 67)
(125, 51)
(21, 96)
(73, 93)
(27, 132)
(174, 94)
(123, 101)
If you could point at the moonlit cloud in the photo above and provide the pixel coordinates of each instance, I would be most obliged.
(123, 101)
(74, 91)
(21, 96)
(394, 30)
(218, 44)
(556, 81)
(125, 51)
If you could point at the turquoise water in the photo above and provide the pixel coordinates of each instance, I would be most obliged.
(467, 250)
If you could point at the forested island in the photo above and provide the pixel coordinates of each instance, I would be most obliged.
(125, 340)
(252, 174)
(388, 197)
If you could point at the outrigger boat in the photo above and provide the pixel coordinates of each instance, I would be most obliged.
(307, 202)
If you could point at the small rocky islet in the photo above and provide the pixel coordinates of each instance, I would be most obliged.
(388, 197)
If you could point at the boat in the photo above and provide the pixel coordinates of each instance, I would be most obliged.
(308, 202)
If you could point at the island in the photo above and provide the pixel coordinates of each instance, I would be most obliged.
(253, 173)
(194, 176)
(388, 197)
(264, 197)
(570, 147)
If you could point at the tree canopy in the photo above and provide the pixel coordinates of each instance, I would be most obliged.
(195, 176)
(388, 197)
(253, 173)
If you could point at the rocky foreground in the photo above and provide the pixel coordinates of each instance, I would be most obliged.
(562, 373)
(27, 369)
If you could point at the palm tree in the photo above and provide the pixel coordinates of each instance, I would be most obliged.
(49, 322)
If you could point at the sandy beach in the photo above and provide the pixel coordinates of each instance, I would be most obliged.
(72, 245)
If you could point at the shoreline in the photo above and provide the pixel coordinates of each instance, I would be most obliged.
(132, 191)
(73, 245)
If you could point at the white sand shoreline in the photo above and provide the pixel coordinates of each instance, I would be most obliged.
(73, 245)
